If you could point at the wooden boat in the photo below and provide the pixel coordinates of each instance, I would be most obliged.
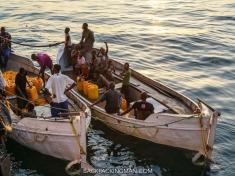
(62, 138)
(173, 123)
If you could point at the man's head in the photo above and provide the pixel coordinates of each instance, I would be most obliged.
(34, 57)
(112, 86)
(102, 50)
(56, 68)
(126, 66)
(144, 96)
(3, 30)
(22, 71)
(66, 30)
(85, 26)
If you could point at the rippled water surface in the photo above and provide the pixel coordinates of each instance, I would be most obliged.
(189, 45)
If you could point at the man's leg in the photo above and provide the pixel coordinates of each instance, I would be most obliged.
(6, 55)
(54, 109)
(64, 107)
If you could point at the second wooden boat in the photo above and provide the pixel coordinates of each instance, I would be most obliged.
(173, 123)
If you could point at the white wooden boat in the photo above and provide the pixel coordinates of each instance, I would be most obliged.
(62, 138)
(173, 123)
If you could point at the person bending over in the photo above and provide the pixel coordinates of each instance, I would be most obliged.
(44, 61)
(112, 98)
(142, 109)
(57, 86)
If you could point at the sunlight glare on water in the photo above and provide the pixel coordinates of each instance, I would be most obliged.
(188, 45)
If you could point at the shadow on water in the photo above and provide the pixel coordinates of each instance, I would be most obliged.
(113, 149)
(33, 163)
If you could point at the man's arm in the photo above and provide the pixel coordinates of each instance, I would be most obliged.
(99, 100)
(107, 48)
(70, 87)
(82, 38)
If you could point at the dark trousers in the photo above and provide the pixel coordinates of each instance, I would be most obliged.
(4, 56)
(57, 108)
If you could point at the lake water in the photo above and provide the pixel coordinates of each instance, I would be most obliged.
(188, 45)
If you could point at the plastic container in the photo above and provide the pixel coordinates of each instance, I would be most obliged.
(32, 93)
(38, 83)
(80, 82)
(40, 102)
(85, 87)
(10, 89)
(93, 92)
(123, 104)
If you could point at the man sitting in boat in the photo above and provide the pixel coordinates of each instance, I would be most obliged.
(81, 65)
(142, 109)
(112, 98)
(94, 67)
(88, 38)
(103, 54)
(5, 47)
(126, 75)
(59, 85)
(44, 61)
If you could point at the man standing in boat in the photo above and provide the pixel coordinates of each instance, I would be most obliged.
(44, 61)
(142, 108)
(57, 86)
(126, 75)
(21, 82)
(88, 38)
(68, 45)
(5, 47)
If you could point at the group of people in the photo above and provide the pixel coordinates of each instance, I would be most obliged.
(98, 68)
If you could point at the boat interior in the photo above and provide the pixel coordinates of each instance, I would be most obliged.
(41, 106)
(162, 101)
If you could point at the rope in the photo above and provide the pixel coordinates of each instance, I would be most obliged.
(142, 126)
(78, 138)
(33, 46)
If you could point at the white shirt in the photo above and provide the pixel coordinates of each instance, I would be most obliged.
(2, 81)
(57, 84)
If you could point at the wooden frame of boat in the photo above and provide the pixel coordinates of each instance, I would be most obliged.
(63, 138)
(174, 124)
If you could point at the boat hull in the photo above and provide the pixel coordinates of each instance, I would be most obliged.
(56, 138)
(47, 137)
(195, 134)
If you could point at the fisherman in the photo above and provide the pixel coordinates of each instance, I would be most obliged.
(57, 86)
(44, 61)
(142, 109)
(126, 74)
(88, 38)
(68, 45)
(5, 47)
(113, 99)
(21, 82)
